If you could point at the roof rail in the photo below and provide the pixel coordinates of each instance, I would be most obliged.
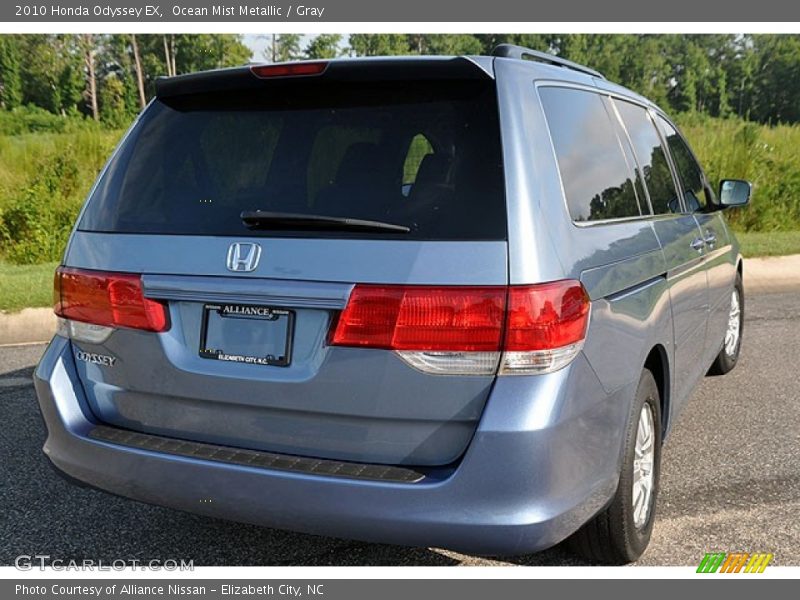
(522, 53)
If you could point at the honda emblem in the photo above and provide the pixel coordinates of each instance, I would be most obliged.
(243, 257)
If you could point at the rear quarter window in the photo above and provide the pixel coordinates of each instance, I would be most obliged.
(651, 158)
(598, 181)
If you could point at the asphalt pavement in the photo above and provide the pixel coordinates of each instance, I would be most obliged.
(730, 480)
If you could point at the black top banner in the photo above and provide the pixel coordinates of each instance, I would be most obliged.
(406, 11)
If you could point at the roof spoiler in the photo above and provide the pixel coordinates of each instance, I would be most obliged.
(354, 69)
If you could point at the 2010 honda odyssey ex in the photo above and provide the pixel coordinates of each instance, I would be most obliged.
(441, 301)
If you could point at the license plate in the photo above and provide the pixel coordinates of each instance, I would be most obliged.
(247, 333)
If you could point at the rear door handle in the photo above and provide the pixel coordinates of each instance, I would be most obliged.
(698, 244)
(710, 239)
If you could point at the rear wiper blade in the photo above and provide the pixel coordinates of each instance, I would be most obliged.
(259, 219)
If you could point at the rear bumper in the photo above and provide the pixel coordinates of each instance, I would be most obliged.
(543, 461)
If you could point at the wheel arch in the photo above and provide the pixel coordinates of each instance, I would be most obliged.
(658, 364)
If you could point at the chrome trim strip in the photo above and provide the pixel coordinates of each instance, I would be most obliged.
(239, 290)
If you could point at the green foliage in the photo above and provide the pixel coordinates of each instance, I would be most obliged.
(379, 44)
(10, 74)
(767, 156)
(446, 44)
(114, 110)
(285, 47)
(32, 119)
(776, 78)
(753, 76)
(49, 70)
(200, 52)
(325, 45)
(118, 52)
(36, 223)
(44, 178)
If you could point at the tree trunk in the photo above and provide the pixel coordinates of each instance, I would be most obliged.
(91, 76)
(137, 62)
(168, 57)
(172, 53)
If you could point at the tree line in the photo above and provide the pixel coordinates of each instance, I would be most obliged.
(110, 78)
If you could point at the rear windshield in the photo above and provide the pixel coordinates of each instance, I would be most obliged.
(425, 155)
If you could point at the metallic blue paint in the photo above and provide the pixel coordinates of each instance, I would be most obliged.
(543, 460)
(514, 464)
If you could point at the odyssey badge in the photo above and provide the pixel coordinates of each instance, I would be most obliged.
(96, 359)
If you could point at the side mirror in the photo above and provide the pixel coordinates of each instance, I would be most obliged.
(734, 192)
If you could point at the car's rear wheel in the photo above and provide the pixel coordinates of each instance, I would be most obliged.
(621, 532)
(732, 342)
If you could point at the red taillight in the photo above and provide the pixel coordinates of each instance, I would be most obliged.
(464, 319)
(423, 318)
(546, 316)
(107, 299)
(289, 69)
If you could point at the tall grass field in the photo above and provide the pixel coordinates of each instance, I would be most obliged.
(47, 165)
(768, 156)
(49, 162)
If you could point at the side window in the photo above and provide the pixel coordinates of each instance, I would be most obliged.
(598, 182)
(419, 148)
(651, 157)
(689, 172)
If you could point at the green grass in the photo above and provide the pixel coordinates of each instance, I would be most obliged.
(769, 243)
(23, 286)
(23, 156)
(768, 156)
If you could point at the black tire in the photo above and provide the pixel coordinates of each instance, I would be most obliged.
(724, 363)
(611, 537)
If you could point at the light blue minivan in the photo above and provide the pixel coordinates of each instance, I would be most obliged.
(440, 301)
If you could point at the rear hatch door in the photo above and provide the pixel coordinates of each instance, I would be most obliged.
(241, 200)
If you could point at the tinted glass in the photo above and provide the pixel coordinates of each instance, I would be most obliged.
(630, 159)
(194, 163)
(651, 157)
(689, 172)
(598, 182)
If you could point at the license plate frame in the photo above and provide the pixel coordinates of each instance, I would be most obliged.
(252, 313)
